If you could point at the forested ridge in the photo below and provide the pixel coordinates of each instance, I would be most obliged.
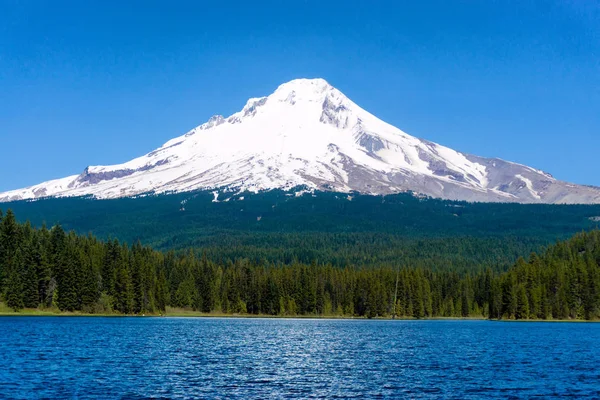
(344, 230)
(50, 268)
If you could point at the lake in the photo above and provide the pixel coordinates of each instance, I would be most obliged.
(94, 357)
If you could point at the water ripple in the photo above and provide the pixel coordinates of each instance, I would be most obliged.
(255, 358)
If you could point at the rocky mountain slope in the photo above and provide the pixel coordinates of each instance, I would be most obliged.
(308, 133)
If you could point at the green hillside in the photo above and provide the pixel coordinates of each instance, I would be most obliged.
(325, 227)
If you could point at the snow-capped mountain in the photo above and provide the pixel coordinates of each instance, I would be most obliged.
(308, 133)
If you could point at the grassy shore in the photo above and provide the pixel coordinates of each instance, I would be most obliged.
(180, 312)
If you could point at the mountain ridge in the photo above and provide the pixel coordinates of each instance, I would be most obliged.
(308, 133)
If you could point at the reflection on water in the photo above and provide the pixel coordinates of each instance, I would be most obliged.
(241, 358)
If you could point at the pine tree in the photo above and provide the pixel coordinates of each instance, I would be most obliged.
(522, 309)
(39, 259)
(270, 299)
(90, 288)
(509, 296)
(30, 284)
(14, 284)
(123, 295)
(162, 291)
(67, 282)
(139, 305)
(10, 239)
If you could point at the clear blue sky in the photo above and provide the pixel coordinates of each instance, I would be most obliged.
(100, 82)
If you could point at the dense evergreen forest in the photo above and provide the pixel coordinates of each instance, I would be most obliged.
(50, 268)
(326, 228)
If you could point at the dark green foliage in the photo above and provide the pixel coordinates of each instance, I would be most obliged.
(14, 282)
(278, 227)
(162, 292)
(44, 268)
(90, 287)
(30, 282)
(10, 236)
(123, 293)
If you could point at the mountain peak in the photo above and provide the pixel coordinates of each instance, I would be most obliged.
(316, 85)
(307, 133)
(313, 90)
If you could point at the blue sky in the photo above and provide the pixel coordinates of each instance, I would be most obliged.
(101, 82)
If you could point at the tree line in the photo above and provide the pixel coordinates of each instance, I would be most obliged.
(51, 268)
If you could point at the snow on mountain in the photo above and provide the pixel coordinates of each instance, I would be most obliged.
(308, 133)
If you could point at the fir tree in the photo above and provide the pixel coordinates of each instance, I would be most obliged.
(123, 295)
(14, 284)
(522, 308)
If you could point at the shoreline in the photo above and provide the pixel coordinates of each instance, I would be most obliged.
(194, 314)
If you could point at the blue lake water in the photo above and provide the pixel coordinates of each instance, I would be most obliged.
(280, 358)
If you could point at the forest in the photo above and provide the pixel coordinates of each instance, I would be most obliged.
(344, 230)
(49, 268)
